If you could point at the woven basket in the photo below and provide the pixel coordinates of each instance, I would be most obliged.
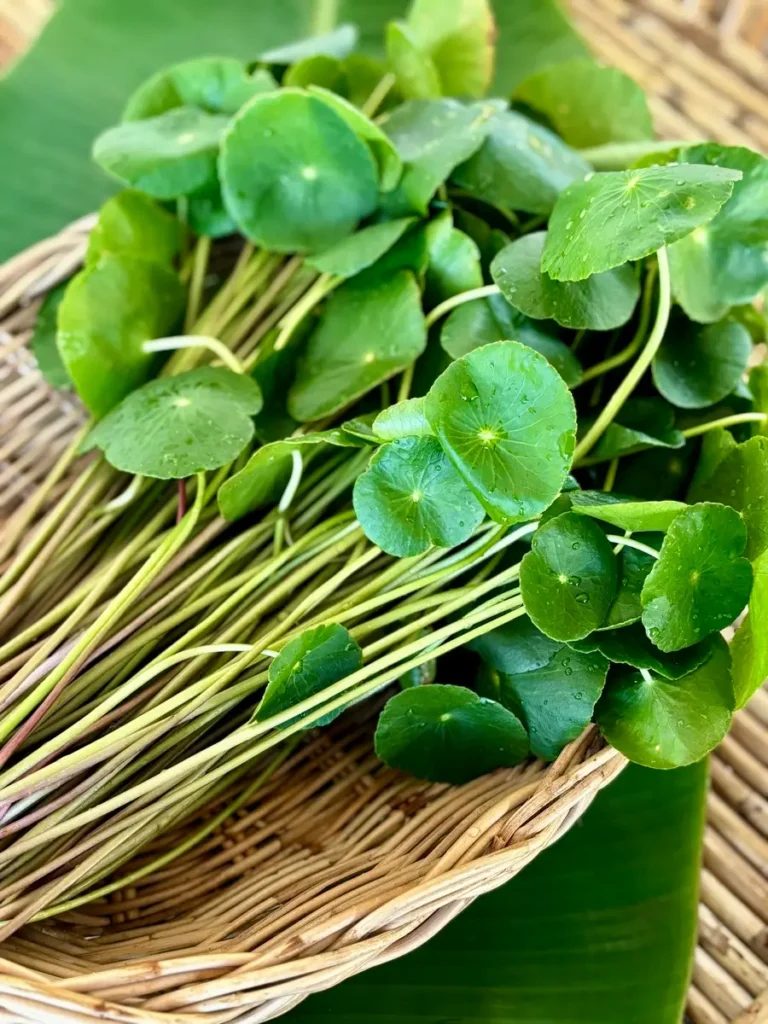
(342, 864)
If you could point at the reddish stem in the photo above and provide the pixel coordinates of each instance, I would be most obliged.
(182, 508)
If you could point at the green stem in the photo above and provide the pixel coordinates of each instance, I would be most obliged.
(458, 300)
(324, 285)
(379, 94)
(199, 267)
(726, 421)
(406, 382)
(630, 382)
(627, 542)
(193, 341)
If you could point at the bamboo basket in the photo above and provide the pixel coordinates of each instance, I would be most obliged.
(343, 864)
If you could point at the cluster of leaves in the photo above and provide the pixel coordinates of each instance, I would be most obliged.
(473, 249)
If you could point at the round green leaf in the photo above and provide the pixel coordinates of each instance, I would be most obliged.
(613, 217)
(600, 303)
(360, 250)
(569, 577)
(307, 665)
(411, 497)
(171, 155)
(133, 224)
(700, 582)
(218, 85)
(725, 262)
(416, 74)
(108, 311)
(741, 480)
(520, 166)
(339, 42)
(555, 702)
(448, 734)
(454, 261)
(482, 321)
(641, 422)
(716, 444)
(294, 175)
(460, 39)
(506, 420)
(369, 330)
(667, 723)
(627, 514)
(634, 566)
(388, 159)
(515, 648)
(432, 137)
(174, 427)
(631, 646)
(403, 419)
(43, 342)
(320, 70)
(207, 214)
(588, 104)
(699, 366)
(749, 648)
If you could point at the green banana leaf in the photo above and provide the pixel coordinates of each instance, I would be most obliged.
(598, 930)
(601, 928)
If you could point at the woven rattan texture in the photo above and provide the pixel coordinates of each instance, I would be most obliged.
(343, 864)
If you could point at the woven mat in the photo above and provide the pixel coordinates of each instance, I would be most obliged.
(703, 64)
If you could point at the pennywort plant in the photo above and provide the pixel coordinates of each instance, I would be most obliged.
(451, 410)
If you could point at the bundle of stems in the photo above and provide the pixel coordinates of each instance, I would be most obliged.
(138, 627)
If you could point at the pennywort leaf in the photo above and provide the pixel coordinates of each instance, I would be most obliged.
(569, 577)
(307, 665)
(698, 366)
(749, 647)
(459, 38)
(700, 582)
(588, 104)
(411, 497)
(174, 427)
(108, 311)
(294, 175)
(668, 723)
(339, 42)
(448, 734)
(520, 166)
(370, 329)
(631, 515)
(132, 224)
(360, 250)
(599, 303)
(631, 646)
(43, 342)
(171, 155)
(612, 217)
(640, 423)
(412, 66)
(403, 419)
(506, 420)
(454, 261)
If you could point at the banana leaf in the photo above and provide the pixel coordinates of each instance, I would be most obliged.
(598, 930)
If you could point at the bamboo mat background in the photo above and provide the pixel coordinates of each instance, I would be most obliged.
(704, 64)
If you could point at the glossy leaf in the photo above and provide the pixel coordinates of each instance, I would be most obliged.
(174, 427)
(412, 66)
(600, 303)
(758, 385)
(741, 480)
(716, 444)
(550, 687)
(520, 166)
(294, 175)
(700, 582)
(307, 665)
(667, 723)
(108, 311)
(460, 39)
(588, 104)
(218, 85)
(631, 646)
(448, 734)
(506, 420)
(699, 366)
(369, 331)
(724, 263)
(482, 321)
(411, 497)
(387, 158)
(43, 342)
(569, 578)
(320, 70)
(339, 41)
(403, 419)
(133, 224)
(634, 566)
(207, 214)
(616, 216)
(454, 261)
(749, 648)
(432, 137)
(171, 155)
(358, 251)
(632, 515)
(641, 422)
